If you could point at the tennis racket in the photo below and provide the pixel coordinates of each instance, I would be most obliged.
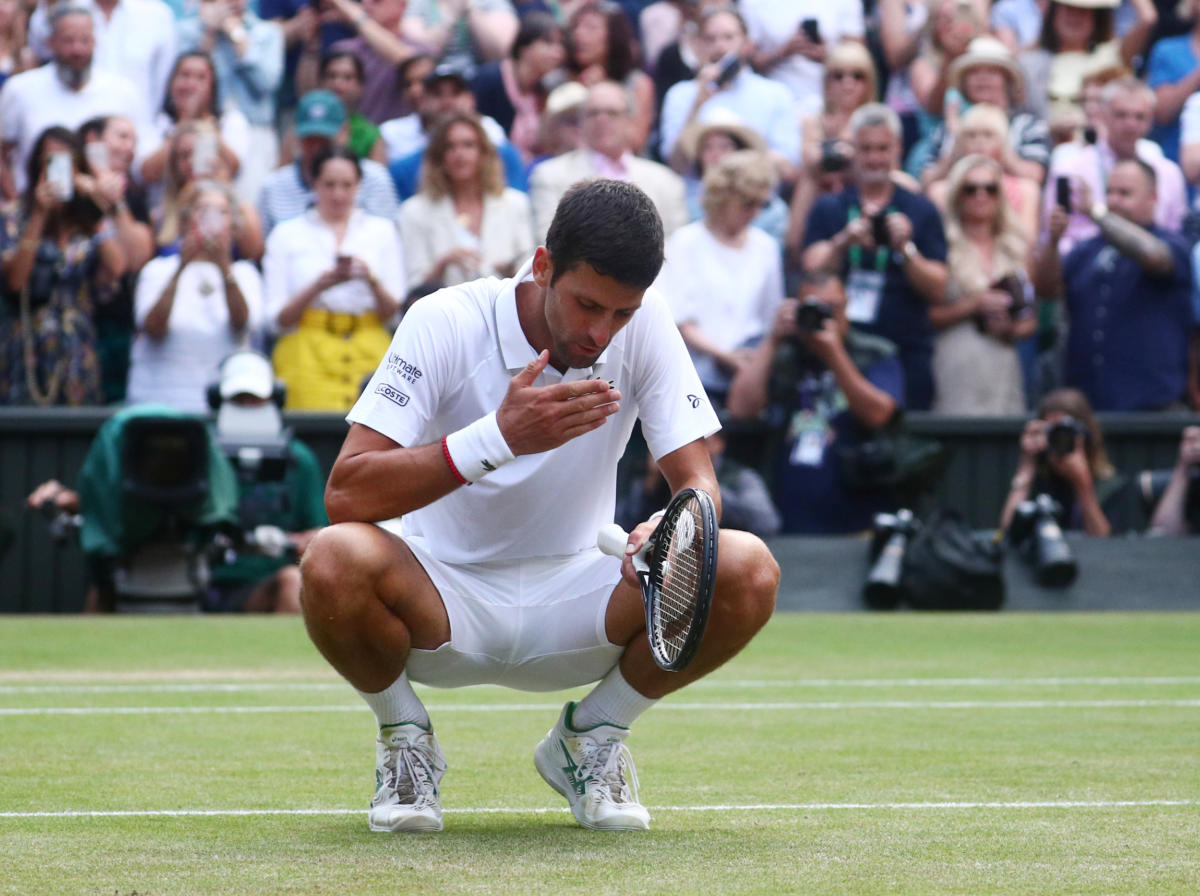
(677, 567)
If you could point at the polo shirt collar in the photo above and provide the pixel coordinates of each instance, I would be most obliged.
(515, 349)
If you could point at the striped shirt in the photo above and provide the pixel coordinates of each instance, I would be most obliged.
(285, 195)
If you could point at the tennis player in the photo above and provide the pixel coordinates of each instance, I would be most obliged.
(493, 427)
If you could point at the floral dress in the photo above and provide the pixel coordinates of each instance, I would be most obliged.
(47, 336)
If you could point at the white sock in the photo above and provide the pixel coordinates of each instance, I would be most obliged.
(397, 703)
(612, 702)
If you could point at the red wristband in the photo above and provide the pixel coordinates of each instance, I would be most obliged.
(450, 463)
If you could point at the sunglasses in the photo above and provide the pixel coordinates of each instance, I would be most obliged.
(992, 189)
(837, 74)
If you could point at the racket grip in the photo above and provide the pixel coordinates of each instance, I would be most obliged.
(611, 540)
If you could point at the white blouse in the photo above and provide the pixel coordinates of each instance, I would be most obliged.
(301, 249)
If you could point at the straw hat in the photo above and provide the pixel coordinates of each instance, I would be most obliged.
(719, 121)
(988, 50)
(566, 96)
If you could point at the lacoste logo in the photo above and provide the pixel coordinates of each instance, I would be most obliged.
(695, 400)
(391, 393)
(487, 465)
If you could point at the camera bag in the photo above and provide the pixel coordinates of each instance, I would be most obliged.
(947, 566)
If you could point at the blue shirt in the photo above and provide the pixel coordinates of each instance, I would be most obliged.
(406, 171)
(1127, 346)
(1171, 60)
(903, 316)
(762, 104)
(808, 488)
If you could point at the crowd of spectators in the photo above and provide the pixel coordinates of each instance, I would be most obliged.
(961, 206)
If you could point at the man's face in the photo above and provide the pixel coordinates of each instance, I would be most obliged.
(1130, 194)
(442, 96)
(606, 120)
(874, 154)
(584, 310)
(1128, 119)
(73, 42)
(310, 146)
(722, 34)
(414, 82)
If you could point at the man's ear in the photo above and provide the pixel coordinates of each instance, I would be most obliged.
(543, 267)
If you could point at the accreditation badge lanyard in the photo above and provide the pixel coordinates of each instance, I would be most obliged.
(864, 287)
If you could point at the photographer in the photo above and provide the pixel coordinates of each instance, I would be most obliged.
(1176, 513)
(829, 389)
(1063, 456)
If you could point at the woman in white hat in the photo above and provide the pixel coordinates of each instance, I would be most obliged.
(1077, 39)
(987, 73)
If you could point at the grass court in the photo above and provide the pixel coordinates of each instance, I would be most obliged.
(847, 754)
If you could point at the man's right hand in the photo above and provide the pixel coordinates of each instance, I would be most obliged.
(533, 418)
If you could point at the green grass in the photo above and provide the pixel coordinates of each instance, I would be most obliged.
(860, 754)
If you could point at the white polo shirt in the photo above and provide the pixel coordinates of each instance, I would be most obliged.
(450, 363)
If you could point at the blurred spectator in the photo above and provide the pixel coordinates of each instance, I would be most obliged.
(181, 173)
(705, 144)
(1178, 510)
(987, 73)
(15, 55)
(381, 45)
(192, 99)
(561, 128)
(292, 505)
(58, 252)
(1128, 297)
(601, 46)
(902, 25)
(464, 223)
(723, 276)
(888, 246)
(306, 35)
(108, 146)
(1093, 496)
(463, 33)
(786, 52)
(134, 39)
(66, 91)
(320, 125)
(607, 121)
(1128, 113)
(247, 54)
(513, 91)
(405, 134)
(333, 276)
(849, 80)
(1173, 72)
(661, 24)
(762, 104)
(745, 499)
(195, 307)
(1078, 39)
(1189, 140)
(983, 131)
(343, 75)
(681, 57)
(989, 300)
(446, 89)
(1016, 23)
(953, 25)
(826, 389)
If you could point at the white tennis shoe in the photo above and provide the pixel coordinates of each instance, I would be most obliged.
(594, 770)
(409, 765)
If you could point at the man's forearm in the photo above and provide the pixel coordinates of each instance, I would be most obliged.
(869, 404)
(1047, 270)
(926, 276)
(1153, 254)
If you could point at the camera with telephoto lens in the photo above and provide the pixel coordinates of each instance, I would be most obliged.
(1062, 435)
(1035, 532)
(890, 534)
(811, 315)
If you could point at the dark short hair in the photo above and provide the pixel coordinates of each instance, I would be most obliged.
(1145, 167)
(334, 152)
(334, 55)
(534, 26)
(611, 226)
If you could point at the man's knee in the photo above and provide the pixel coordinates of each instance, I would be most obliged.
(338, 555)
(748, 579)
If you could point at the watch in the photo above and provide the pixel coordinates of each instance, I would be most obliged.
(910, 250)
(1098, 211)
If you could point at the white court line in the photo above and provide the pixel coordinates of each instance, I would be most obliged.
(549, 707)
(759, 807)
(708, 683)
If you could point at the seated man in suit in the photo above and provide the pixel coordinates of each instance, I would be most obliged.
(607, 119)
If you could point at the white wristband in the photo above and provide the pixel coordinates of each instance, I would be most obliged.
(478, 449)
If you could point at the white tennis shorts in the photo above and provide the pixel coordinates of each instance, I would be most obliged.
(533, 625)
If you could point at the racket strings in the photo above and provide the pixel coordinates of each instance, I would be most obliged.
(680, 574)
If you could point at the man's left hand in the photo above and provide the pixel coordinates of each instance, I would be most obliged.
(900, 230)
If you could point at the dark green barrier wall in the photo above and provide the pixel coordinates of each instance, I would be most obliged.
(35, 445)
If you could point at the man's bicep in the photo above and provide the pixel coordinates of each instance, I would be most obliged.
(361, 439)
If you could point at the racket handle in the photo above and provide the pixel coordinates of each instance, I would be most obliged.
(611, 540)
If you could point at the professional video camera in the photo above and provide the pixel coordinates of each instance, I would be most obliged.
(1035, 532)
(889, 540)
